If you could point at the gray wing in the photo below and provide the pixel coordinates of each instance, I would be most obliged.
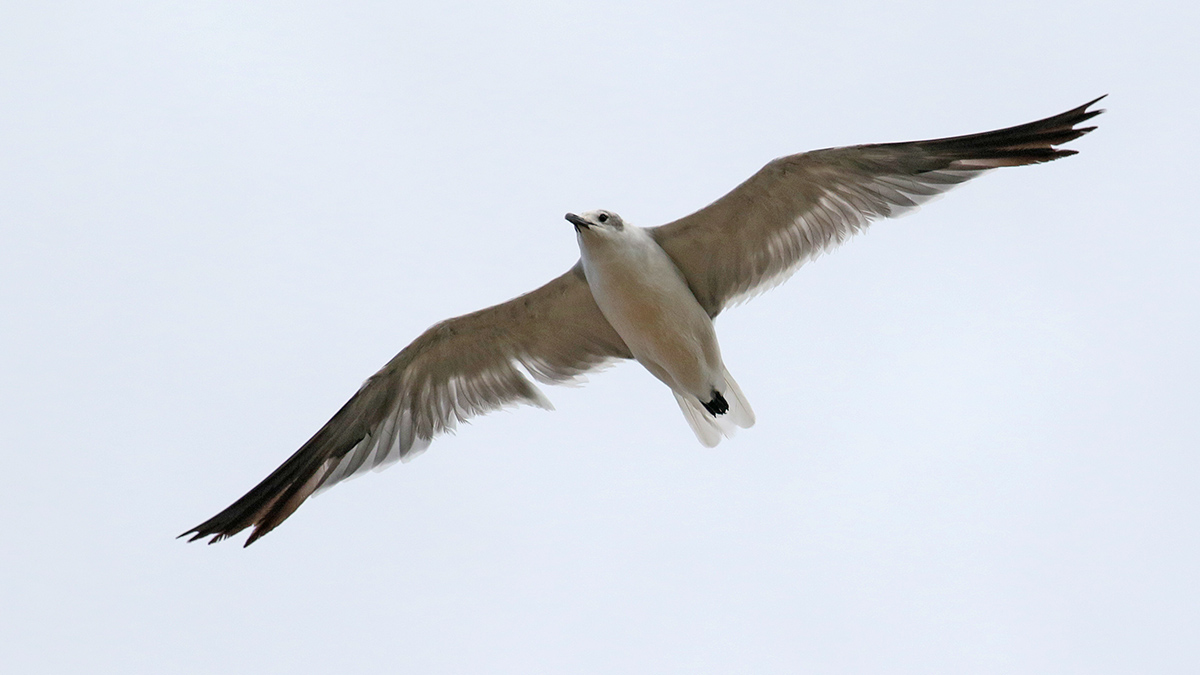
(459, 368)
(798, 206)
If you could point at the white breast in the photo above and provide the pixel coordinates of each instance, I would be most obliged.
(645, 298)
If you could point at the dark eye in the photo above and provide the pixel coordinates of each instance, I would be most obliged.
(603, 218)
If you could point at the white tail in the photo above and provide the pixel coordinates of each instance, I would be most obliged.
(710, 428)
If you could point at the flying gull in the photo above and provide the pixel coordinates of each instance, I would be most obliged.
(645, 294)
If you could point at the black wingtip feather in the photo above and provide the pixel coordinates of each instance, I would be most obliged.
(1030, 143)
(278, 495)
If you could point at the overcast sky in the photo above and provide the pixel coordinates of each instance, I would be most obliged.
(977, 439)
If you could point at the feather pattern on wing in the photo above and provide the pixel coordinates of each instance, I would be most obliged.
(795, 207)
(459, 368)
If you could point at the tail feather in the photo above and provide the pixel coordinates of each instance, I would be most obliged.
(710, 428)
(740, 412)
(704, 425)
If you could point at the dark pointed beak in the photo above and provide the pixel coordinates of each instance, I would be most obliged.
(577, 221)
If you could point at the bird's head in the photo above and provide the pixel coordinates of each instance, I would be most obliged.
(597, 223)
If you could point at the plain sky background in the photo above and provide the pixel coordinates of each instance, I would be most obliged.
(977, 440)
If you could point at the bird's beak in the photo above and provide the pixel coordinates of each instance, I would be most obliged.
(577, 222)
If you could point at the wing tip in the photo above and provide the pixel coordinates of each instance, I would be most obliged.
(203, 530)
(218, 534)
(1032, 143)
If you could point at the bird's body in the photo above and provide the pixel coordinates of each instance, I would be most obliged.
(644, 294)
(646, 299)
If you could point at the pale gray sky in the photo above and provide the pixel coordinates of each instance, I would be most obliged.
(977, 446)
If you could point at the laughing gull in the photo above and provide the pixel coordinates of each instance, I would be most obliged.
(645, 294)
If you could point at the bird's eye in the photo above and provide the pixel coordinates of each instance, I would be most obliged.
(603, 218)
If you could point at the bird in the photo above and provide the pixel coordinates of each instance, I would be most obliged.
(648, 294)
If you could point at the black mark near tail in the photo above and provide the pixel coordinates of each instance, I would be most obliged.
(717, 406)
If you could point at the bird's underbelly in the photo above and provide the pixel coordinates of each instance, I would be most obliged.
(665, 328)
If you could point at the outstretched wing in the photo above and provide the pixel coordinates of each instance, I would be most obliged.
(797, 206)
(459, 368)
